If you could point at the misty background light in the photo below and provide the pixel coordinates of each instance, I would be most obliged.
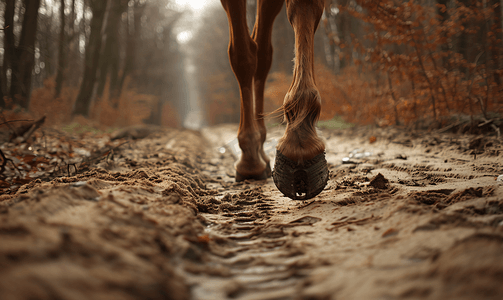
(194, 5)
(193, 115)
(184, 36)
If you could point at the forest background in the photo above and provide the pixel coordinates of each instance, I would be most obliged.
(122, 62)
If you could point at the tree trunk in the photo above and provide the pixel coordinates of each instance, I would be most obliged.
(109, 65)
(9, 42)
(331, 38)
(91, 59)
(133, 35)
(46, 41)
(24, 58)
(466, 40)
(443, 16)
(2, 88)
(442, 10)
(61, 51)
(8, 45)
(496, 52)
(73, 57)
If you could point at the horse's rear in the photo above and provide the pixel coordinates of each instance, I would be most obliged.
(300, 170)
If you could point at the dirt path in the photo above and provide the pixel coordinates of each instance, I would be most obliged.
(430, 226)
(409, 215)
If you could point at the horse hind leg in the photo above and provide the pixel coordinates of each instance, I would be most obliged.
(301, 170)
(267, 10)
(243, 58)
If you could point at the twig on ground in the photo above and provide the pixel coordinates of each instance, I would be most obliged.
(31, 129)
(486, 122)
(496, 128)
(449, 127)
(14, 121)
(5, 122)
(4, 163)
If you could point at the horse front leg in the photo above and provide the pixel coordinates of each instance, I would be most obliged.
(301, 170)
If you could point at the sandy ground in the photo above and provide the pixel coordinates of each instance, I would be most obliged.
(405, 215)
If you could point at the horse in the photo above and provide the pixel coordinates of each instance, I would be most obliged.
(300, 169)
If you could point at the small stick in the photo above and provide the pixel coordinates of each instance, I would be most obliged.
(4, 163)
(13, 121)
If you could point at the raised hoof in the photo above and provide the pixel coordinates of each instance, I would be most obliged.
(266, 174)
(300, 181)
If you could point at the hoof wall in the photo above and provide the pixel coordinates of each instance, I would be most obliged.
(300, 181)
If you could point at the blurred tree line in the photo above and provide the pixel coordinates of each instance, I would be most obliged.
(88, 52)
(377, 61)
(416, 60)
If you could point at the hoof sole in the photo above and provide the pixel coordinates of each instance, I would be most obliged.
(266, 174)
(300, 181)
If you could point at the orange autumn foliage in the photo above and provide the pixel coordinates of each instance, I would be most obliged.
(132, 108)
(56, 110)
(341, 95)
(417, 70)
(404, 73)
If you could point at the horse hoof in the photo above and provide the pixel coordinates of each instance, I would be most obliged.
(266, 174)
(300, 181)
